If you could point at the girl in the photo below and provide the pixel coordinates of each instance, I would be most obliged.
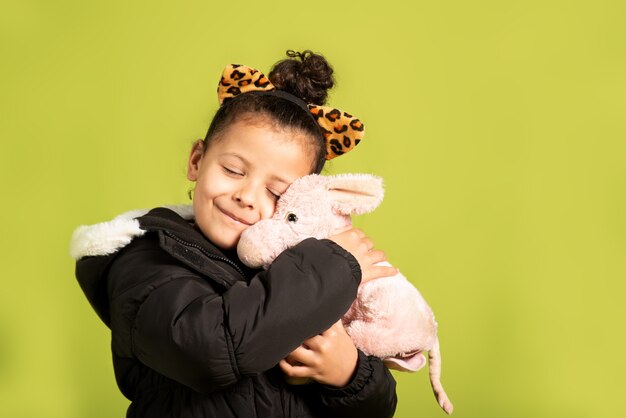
(195, 333)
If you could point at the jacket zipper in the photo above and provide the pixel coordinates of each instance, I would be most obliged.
(208, 254)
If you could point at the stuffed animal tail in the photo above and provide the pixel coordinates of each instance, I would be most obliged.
(434, 366)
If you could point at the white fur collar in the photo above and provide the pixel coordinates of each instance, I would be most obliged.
(108, 237)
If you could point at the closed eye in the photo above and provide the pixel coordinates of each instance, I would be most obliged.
(231, 172)
(274, 196)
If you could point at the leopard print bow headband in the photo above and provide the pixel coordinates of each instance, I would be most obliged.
(342, 131)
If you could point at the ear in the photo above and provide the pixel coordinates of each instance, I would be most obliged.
(407, 364)
(355, 193)
(195, 157)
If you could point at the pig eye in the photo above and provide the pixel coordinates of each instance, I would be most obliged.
(291, 217)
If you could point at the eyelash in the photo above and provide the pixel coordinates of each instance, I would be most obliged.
(229, 171)
(274, 195)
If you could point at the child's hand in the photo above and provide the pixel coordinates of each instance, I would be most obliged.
(329, 358)
(361, 247)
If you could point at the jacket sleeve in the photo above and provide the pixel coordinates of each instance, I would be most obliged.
(174, 321)
(370, 393)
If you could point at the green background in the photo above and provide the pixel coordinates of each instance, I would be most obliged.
(498, 126)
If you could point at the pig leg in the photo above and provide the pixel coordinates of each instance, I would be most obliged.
(434, 366)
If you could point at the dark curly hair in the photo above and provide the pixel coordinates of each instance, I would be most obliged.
(304, 74)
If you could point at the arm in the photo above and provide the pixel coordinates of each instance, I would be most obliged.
(175, 322)
(352, 384)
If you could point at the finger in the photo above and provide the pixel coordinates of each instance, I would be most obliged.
(301, 355)
(359, 233)
(386, 271)
(368, 243)
(376, 256)
(295, 371)
(316, 343)
(378, 272)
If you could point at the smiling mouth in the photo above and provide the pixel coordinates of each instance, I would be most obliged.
(233, 217)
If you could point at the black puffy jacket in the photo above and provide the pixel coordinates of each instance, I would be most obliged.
(195, 334)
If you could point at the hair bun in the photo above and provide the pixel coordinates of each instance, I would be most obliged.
(304, 74)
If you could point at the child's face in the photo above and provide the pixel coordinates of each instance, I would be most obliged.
(240, 176)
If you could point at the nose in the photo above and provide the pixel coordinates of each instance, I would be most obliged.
(246, 194)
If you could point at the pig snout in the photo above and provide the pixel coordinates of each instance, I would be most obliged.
(261, 243)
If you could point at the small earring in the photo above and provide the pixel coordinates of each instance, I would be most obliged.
(190, 192)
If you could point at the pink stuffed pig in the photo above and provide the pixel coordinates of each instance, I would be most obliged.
(389, 318)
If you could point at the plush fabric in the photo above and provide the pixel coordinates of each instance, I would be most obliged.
(389, 319)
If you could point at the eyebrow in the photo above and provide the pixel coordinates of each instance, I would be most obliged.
(274, 177)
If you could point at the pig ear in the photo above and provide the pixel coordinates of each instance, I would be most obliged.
(354, 194)
(407, 364)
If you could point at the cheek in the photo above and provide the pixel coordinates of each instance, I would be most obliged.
(267, 211)
(210, 189)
